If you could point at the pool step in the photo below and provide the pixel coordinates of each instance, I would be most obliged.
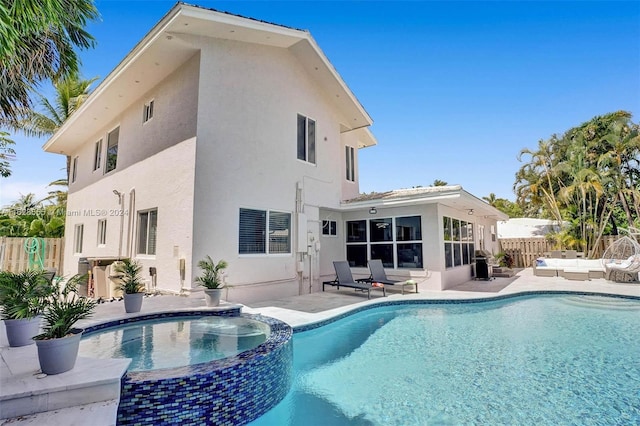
(25, 391)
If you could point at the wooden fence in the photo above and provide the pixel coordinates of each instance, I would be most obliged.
(525, 251)
(19, 254)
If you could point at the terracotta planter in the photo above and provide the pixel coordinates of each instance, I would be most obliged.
(212, 296)
(59, 355)
(133, 302)
(20, 332)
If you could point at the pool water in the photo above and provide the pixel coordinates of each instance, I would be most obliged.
(176, 342)
(551, 360)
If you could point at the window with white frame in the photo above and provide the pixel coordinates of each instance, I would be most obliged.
(74, 169)
(329, 228)
(102, 232)
(397, 242)
(147, 231)
(459, 248)
(147, 112)
(77, 238)
(306, 139)
(264, 232)
(351, 163)
(112, 150)
(97, 155)
(481, 237)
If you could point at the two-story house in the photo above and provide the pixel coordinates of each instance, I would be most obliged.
(236, 138)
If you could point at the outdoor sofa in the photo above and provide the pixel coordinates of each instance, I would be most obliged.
(568, 268)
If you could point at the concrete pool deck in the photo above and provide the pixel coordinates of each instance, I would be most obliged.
(19, 366)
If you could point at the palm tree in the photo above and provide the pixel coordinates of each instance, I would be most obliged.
(439, 182)
(70, 93)
(491, 199)
(38, 41)
(6, 154)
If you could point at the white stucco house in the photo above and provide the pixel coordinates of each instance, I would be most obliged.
(236, 138)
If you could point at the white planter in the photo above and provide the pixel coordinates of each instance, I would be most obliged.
(212, 296)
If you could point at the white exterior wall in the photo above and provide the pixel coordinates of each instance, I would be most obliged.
(163, 181)
(460, 274)
(249, 99)
(428, 276)
(174, 121)
(156, 160)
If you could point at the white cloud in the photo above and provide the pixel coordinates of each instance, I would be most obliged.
(11, 191)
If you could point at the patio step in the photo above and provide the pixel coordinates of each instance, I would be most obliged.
(503, 272)
(26, 391)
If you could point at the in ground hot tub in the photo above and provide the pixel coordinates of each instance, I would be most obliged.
(194, 368)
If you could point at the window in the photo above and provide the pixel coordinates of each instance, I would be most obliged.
(329, 228)
(397, 242)
(74, 169)
(306, 139)
(459, 248)
(481, 237)
(147, 112)
(147, 232)
(112, 150)
(102, 232)
(351, 169)
(97, 155)
(77, 238)
(264, 232)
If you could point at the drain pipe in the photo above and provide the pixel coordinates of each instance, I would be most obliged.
(120, 196)
(130, 221)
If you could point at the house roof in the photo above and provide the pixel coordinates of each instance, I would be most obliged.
(452, 195)
(526, 227)
(165, 48)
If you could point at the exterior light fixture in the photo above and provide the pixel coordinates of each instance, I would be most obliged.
(373, 210)
(470, 212)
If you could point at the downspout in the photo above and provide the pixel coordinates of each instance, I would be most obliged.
(132, 205)
(120, 203)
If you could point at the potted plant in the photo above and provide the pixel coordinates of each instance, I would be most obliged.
(22, 297)
(131, 284)
(59, 342)
(211, 279)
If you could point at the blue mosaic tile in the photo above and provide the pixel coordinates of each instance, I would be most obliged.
(229, 391)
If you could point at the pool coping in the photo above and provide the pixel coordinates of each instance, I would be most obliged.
(383, 303)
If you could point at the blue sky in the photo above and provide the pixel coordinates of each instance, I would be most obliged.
(456, 89)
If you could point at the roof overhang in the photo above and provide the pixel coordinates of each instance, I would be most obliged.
(164, 49)
(452, 196)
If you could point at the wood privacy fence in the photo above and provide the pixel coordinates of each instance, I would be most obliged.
(19, 254)
(525, 251)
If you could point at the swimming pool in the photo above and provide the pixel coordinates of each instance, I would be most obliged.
(176, 342)
(528, 360)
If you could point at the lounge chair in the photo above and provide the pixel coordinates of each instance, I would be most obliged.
(379, 276)
(345, 279)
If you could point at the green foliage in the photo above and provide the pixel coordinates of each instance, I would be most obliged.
(504, 259)
(29, 217)
(64, 308)
(131, 281)
(439, 182)
(505, 206)
(589, 176)
(24, 294)
(211, 272)
(38, 43)
(6, 154)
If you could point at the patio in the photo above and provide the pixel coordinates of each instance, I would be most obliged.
(19, 366)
